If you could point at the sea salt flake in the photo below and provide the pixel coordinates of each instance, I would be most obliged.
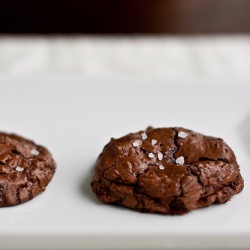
(144, 136)
(182, 134)
(180, 160)
(34, 152)
(19, 169)
(160, 156)
(136, 143)
(151, 155)
(153, 142)
(161, 167)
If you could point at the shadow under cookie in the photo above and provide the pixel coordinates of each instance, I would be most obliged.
(85, 187)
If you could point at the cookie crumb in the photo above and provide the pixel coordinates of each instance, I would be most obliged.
(161, 167)
(182, 134)
(160, 156)
(151, 155)
(144, 136)
(19, 169)
(34, 152)
(180, 160)
(136, 143)
(153, 142)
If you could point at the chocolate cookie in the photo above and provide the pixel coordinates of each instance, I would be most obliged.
(166, 170)
(25, 169)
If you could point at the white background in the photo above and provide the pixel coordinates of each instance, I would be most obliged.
(72, 95)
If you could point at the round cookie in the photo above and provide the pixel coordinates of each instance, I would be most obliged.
(25, 169)
(166, 170)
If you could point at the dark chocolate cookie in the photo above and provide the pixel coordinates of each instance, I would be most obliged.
(166, 170)
(25, 169)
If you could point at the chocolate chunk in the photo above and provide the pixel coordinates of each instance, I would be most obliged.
(25, 169)
(166, 170)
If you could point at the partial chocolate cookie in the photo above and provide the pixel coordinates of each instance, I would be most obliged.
(25, 169)
(166, 170)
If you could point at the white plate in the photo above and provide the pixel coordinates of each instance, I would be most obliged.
(76, 117)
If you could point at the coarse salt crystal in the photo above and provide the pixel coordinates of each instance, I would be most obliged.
(19, 169)
(144, 136)
(136, 143)
(182, 134)
(34, 152)
(180, 160)
(151, 155)
(153, 142)
(160, 156)
(161, 167)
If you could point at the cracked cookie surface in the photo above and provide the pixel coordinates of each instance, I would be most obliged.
(25, 169)
(166, 170)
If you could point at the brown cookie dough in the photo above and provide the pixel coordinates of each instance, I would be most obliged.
(166, 170)
(25, 169)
